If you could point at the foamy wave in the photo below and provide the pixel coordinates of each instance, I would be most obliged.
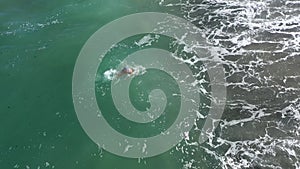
(258, 42)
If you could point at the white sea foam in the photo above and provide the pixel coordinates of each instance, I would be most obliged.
(259, 44)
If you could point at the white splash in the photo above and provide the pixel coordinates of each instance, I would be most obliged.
(110, 74)
(147, 40)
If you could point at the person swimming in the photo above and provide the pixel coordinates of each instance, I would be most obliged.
(125, 71)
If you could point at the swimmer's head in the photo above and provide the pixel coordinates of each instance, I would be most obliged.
(127, 70)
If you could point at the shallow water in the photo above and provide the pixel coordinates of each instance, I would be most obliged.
(257, 42)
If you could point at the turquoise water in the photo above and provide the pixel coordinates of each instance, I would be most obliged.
(40, 42)
(257, 43)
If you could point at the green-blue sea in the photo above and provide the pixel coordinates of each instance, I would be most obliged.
(256, 42)
(39, 44)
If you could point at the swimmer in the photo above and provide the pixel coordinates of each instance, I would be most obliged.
(125, 71)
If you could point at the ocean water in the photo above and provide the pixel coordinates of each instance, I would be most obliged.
(257, 43)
